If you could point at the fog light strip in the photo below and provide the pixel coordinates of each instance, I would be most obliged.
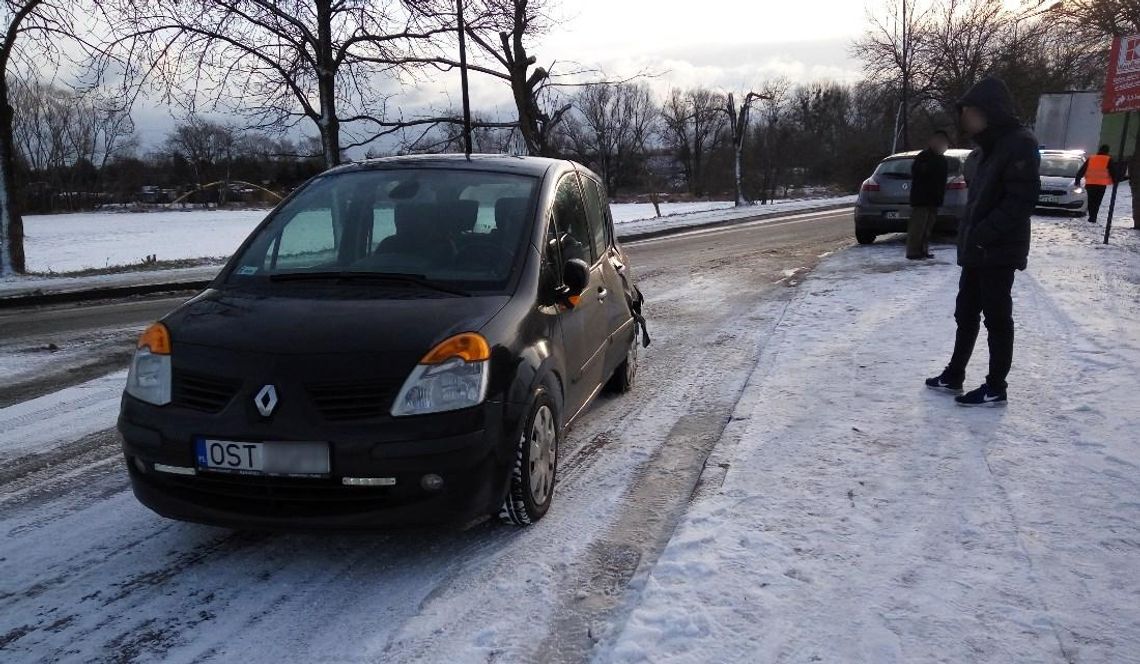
(369, 481)
(174, 470)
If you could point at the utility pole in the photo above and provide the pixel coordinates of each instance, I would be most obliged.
(463, 78)
(905, 79)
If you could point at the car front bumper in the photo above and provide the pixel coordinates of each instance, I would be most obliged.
(467, 449)
(1071, 203)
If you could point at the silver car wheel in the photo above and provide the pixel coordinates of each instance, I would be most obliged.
(543, 454)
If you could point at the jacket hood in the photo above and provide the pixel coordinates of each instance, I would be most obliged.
(993, 97)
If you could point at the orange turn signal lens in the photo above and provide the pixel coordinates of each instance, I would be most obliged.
(156, 338)
(469, 347)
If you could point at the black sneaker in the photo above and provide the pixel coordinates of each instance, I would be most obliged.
(941, 384)
(983, 396)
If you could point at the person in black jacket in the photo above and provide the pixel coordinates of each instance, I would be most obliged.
(927, 192)
(993, 240)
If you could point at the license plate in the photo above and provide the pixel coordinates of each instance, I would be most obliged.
(1050, 199)
(891, 215)
(285, 458)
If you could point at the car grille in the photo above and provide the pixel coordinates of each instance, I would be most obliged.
(343, 401)
(1054, 192)
(209, 394)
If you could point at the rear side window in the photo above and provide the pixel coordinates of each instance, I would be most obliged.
(596, 210)
(576, 240)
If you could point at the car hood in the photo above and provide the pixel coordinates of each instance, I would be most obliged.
(1056, 182)
(299, 325)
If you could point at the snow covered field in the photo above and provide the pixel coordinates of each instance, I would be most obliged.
(863, 518)
(72, 242)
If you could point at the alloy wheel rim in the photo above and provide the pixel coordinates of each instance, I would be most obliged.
(543, 451)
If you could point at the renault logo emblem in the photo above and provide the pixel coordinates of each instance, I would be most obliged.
(266, 400)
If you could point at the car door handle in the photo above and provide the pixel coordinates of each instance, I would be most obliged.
(602, 294)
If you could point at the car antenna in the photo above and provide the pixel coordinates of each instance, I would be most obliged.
(463, 78)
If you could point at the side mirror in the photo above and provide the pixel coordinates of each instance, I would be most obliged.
(575, 277)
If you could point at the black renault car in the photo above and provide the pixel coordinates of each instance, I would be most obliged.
(401, 340)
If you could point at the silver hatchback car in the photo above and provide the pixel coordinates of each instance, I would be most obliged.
(883, 205)
(1059, 191)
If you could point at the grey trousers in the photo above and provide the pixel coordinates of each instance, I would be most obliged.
(919, 230)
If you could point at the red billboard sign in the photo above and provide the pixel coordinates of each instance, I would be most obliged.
(1122, 86)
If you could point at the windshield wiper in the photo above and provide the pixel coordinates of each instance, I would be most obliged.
(349, 275)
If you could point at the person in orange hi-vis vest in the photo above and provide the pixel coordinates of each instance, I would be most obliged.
(1098, 172)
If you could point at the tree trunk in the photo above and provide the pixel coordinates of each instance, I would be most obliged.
(11, 224)
(328, 124)
(741, 201)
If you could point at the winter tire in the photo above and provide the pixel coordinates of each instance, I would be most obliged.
(536, 462)
(865, 237)
(624, 376)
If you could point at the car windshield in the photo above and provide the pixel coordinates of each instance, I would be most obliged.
(450, 230)
(1060, 167)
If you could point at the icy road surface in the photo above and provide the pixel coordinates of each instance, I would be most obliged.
(90, 575)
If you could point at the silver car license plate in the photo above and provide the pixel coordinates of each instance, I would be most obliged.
(1050, 199)
(279, 458)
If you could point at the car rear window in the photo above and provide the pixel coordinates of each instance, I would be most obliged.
(900, 168)
(895, 168)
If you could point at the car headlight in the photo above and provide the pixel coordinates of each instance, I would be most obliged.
(149, 376)
(454, 375)
(1077, 191)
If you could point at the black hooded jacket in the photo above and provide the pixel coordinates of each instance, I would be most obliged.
(1004, 184)
(928, 179)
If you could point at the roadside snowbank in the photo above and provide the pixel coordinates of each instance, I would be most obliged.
(864, 518)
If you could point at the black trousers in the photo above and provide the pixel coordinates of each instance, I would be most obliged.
(1096, 196)
(988, 291)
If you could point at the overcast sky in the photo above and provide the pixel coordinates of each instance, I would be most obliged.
(727, 44)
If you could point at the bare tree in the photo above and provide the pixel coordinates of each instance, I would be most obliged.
(693, 127)
(738, 126)
(889, 51)
(1101, 18)
(33, 33)
(208, 147)
(284, 62)
(610, 130)
(501, 30)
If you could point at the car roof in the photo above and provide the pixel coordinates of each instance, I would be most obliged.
(500, 163)
(1075, 154)
(952, 152)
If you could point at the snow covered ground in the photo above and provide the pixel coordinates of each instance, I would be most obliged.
(73, 242)
(846, 514)
(857, 517)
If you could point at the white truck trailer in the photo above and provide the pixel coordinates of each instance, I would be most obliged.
(1069, 121)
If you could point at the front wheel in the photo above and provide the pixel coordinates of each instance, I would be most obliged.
(536, 462)
(865, 237)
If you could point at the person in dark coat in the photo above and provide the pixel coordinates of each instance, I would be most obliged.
(927, 192)
(993, 239)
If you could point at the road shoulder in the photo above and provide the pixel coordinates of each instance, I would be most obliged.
(848, 514)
